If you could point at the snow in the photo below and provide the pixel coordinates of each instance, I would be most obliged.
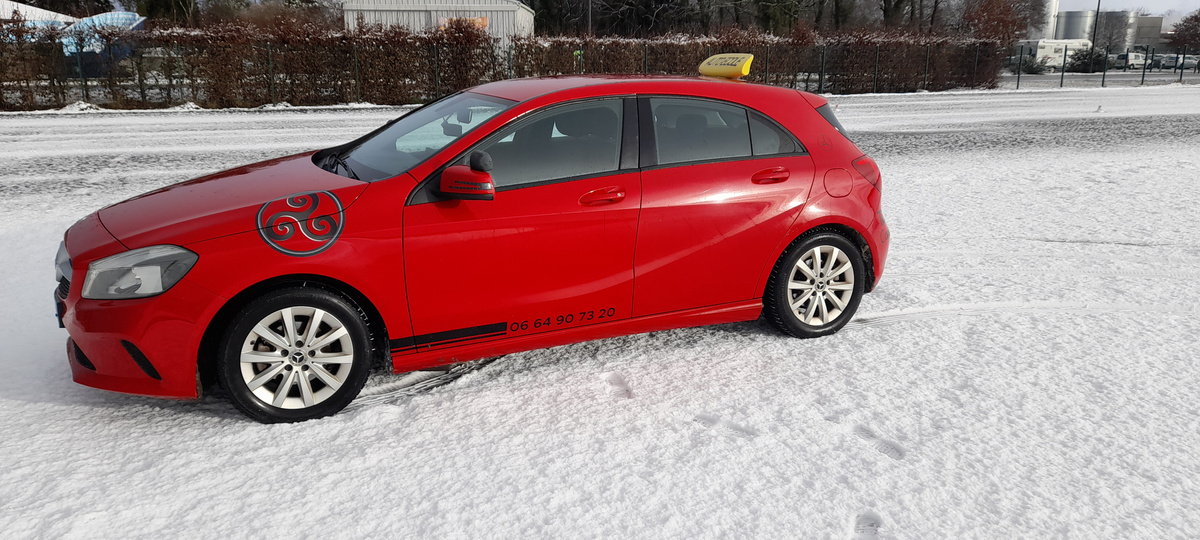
(79, 107)
(1112, 79)
(189, 106)
(1026, 368)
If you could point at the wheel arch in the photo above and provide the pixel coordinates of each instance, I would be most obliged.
(830, 224)
(206, 357)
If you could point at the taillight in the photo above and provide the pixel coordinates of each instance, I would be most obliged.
(866, 167)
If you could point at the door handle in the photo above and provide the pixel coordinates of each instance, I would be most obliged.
(770, 176)
(608, 195)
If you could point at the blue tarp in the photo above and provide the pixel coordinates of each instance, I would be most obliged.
(45, 24)
(119, 19)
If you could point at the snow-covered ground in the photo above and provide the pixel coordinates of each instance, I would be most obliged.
(1113, 79)
(1026, 369)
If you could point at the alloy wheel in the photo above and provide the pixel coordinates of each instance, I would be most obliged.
(296, 357)
(820, 285)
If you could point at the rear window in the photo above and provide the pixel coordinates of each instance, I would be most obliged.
(827, 114)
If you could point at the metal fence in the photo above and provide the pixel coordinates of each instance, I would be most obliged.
(1103, 67)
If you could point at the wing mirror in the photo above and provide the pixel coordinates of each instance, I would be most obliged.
(472, 182)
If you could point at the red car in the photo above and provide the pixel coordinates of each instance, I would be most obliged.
(515, 215)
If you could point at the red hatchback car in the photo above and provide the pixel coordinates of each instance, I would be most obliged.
(512, 216)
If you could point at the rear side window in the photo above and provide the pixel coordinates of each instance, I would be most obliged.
(827, 114)
(696, 130)
(767, 139)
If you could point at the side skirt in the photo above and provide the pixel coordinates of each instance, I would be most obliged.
(725, 313)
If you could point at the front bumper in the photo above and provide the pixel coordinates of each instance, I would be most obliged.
(147, 346)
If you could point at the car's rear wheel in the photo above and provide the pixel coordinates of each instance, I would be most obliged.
(816, 286)
(295, 354)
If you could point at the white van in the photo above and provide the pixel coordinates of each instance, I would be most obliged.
(1050, 51)
(1131, 61)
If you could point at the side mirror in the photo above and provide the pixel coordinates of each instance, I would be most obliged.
(461, 182)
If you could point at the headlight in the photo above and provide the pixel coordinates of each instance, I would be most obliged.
(137, 274)
(62, 263)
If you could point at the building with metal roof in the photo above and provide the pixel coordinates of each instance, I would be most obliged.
(30, 14)
(501, 18)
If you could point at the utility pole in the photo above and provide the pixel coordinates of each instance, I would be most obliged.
(589, 17)
(1095, 27)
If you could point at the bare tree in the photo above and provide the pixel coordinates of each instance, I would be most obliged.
(995, 19)
(1187, 31)
(843, 10)
(893, 11)
(933, 12)
(1113, 30)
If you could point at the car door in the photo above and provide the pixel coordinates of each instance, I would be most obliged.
(717, 186)
(553, 250)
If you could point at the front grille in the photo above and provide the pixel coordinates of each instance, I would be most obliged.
(64, 288)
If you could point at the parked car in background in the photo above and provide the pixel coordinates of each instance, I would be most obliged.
(1174, 61)
(1129, 61)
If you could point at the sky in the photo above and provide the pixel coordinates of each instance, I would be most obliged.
(1156, 7)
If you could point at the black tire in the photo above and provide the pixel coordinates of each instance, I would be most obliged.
(321, 399)
(778, 298)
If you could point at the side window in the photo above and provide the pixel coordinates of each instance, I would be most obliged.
(697, 130)
(572, 140)
(768, 139)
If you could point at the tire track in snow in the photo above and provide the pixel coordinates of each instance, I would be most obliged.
(1070, 271)
(1168, 268)
(414, 384)
(1008, 255)
(958, 310)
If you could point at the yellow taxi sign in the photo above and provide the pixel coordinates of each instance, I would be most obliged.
(728, 66)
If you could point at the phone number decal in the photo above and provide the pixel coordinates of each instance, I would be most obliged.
(564, 319)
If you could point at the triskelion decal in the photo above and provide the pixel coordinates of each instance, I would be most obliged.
(280, 220)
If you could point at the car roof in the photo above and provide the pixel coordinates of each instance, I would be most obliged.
(526, 89)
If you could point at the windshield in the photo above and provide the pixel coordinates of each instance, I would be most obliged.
(420, 134)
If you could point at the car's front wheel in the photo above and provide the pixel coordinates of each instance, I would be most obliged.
(295, 354)
(816, 286)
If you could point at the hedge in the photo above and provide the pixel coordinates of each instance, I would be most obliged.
(242, 65)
